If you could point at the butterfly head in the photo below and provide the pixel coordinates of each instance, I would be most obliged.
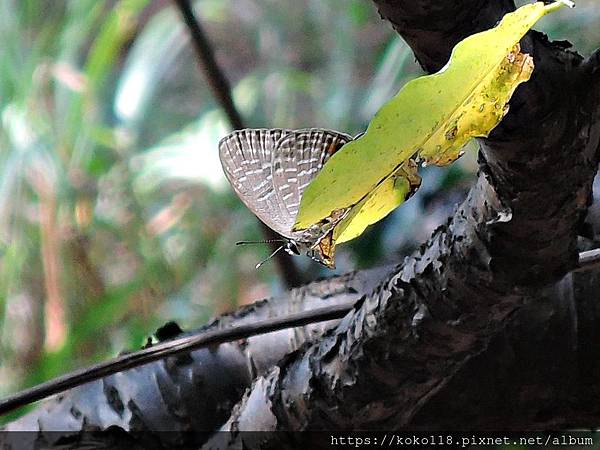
(320, 252)
(291, 247)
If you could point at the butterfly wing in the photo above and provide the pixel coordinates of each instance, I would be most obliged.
(246, 157)
(297, 159)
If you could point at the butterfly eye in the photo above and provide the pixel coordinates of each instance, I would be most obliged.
(293, 247)
(269, 170)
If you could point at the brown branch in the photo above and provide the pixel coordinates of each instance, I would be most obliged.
(226, 370)
(515, 233)
(206, 58)
(387, 360)
(166, 349)
(588, 260)
(222, 91)
(528, 358)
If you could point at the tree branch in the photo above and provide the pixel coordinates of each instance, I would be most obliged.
(197, 390)
(528, 371)
(433, 28)
(171, 348)
(222, 92)
(516, 232)
(589, 260)
(207, 62)
(593, 66)
(391, 362)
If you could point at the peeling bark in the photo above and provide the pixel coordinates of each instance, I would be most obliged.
(516, 232)
(196, 392)
(473, 302)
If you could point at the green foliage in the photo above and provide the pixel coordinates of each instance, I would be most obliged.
(114, 214)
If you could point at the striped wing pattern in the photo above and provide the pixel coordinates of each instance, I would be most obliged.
(269, 169)
(297, 159)
(246, 157)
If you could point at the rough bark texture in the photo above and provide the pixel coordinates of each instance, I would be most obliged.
(516, 232)
(477, 324)
(198, 391)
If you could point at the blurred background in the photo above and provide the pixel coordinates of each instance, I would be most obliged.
(115, 216)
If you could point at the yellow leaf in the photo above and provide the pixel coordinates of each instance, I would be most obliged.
(431, 117)
(386, 197)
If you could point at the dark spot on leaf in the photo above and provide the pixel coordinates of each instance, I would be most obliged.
(451, 133)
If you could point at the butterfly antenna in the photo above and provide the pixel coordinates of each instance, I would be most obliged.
(265, 241)
(269, 257)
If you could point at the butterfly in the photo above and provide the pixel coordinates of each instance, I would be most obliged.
(269, 169)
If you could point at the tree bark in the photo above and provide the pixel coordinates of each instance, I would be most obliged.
(198, 391)
(515, 233)
(486, 296)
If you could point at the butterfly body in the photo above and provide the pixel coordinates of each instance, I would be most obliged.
(269, 170)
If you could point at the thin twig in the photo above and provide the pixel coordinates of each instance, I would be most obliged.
(215, 77)
(169, 348)
(588, 260)
(222, 91)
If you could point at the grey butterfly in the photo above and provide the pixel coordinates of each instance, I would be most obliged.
(269, 170)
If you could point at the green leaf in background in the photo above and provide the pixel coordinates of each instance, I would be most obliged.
(431, 119)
